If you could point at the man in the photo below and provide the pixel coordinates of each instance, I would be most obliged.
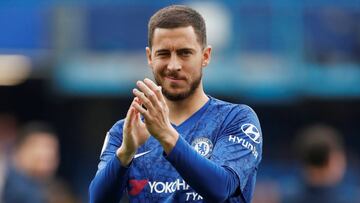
(31, 173)
(320, 149)
(177, 144)
(34, 162)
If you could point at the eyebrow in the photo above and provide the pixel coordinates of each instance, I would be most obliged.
(185, 49)
(161, 50)
(178, 50)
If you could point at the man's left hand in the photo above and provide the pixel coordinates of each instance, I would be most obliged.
(156, 113)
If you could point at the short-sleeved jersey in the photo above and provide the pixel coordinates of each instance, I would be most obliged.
(227, 134)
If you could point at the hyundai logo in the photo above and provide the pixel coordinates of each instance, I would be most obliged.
(252, 132)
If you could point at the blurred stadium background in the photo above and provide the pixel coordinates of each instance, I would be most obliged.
(73, 63)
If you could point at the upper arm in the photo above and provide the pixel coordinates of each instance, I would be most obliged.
(112, 142)
(239, 147)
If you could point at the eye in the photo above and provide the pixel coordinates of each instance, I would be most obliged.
(185, 53)
(163, 54)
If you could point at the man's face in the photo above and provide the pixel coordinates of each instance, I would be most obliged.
(39, 155)
(177, 59)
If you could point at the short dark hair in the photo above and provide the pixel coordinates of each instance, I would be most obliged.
(31, 128)
(314, 144)
(176, 16)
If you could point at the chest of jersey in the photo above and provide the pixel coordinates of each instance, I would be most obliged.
(152, 178)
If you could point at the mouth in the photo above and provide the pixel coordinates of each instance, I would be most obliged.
(171, 78)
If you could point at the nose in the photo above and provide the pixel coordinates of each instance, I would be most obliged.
(174, 63)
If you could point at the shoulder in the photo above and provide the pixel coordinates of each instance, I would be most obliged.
(239, 119)
(114, 135)
(20, 188)
(233, 111)
(116, 129)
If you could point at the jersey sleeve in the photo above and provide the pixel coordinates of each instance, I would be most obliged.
(239, 147)
(112, 142)
(216, 185)
(110, 180)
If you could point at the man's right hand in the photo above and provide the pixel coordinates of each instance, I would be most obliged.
(134, 135)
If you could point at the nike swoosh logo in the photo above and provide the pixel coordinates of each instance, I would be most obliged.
(141, 154)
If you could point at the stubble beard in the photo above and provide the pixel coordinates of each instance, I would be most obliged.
(182, 95)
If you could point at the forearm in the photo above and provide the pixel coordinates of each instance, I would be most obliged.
(109, 183)
(213, 182)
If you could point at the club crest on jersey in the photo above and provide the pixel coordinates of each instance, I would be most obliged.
(252, 132)
(203, 146)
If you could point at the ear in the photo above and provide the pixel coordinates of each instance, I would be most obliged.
(206, 56)
(148, 56)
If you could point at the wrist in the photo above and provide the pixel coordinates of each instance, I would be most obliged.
(124, 155)
(169, 140)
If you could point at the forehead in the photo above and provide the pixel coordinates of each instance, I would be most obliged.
(183, 37)
(41, 138)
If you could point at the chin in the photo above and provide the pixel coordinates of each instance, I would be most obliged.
(176, 95)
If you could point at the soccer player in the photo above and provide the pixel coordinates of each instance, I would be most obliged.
(178, 144)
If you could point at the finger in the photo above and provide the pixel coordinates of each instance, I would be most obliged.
(136, 100)
(161, 96)
(128, 118)
(148, 92)
(155, 88)
(143, 99)
(135, 119)
(141, 110)
(138, 119)
(137, 113)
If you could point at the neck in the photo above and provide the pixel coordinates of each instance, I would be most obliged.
(183, 109)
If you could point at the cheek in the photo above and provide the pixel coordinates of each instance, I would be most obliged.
(195, 70)
(158, 65)
(157, 71)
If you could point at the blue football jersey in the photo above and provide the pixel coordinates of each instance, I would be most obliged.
(225, 133)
